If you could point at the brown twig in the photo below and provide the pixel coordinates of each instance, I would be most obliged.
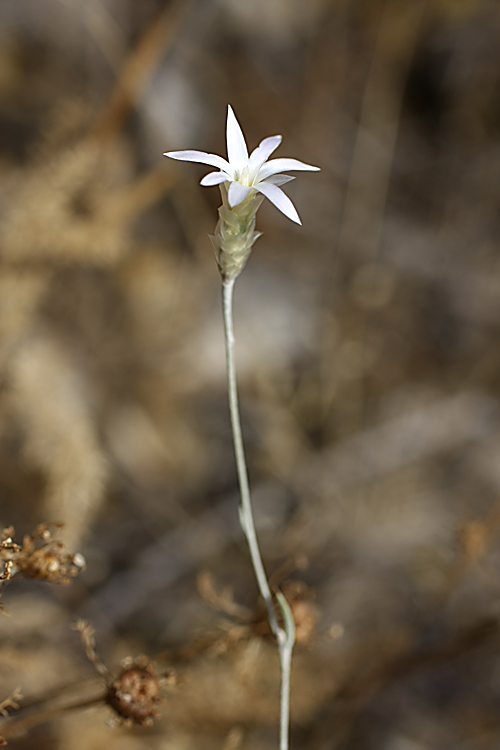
(138, 68)
(18, 725)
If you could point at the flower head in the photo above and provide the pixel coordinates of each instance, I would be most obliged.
(245, 174)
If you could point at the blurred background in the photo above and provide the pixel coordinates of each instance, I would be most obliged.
(368, 357)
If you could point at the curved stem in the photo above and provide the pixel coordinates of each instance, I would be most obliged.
(284, 637)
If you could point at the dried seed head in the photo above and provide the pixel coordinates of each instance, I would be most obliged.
(40, 556)
(7, 571)
(134, 693)
(7, 546)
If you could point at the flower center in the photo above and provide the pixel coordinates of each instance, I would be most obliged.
(245, 177)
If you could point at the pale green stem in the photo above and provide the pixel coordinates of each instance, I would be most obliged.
(286, 669)
(284, 637)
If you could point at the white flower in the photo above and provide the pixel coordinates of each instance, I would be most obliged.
(247, 174)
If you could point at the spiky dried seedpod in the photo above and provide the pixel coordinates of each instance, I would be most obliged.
(135, 692)
(40, 556)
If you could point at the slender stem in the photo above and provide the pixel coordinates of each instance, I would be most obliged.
(284, 637)
(285, 651)
(286, 668)
(246, 512)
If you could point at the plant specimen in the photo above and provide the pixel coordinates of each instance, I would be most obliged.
(244, 181)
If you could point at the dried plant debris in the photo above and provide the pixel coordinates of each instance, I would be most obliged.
(87, 634)
(134, 693)
(11, 702)
(7, 546)
(221, 599)
(300, 599)
(65, 209)
(40, 556)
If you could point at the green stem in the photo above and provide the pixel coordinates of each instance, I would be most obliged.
(284, 637)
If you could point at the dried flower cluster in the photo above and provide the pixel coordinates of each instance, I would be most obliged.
(10, 702)
(135, 692)
(40, 556)
(300, 598)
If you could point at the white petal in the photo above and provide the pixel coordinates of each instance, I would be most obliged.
(280, 179)
(284, 165)
(280, 200)
(202, 158)
(264, 151)
(213, 178)
(237, 193)
(237, 152)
